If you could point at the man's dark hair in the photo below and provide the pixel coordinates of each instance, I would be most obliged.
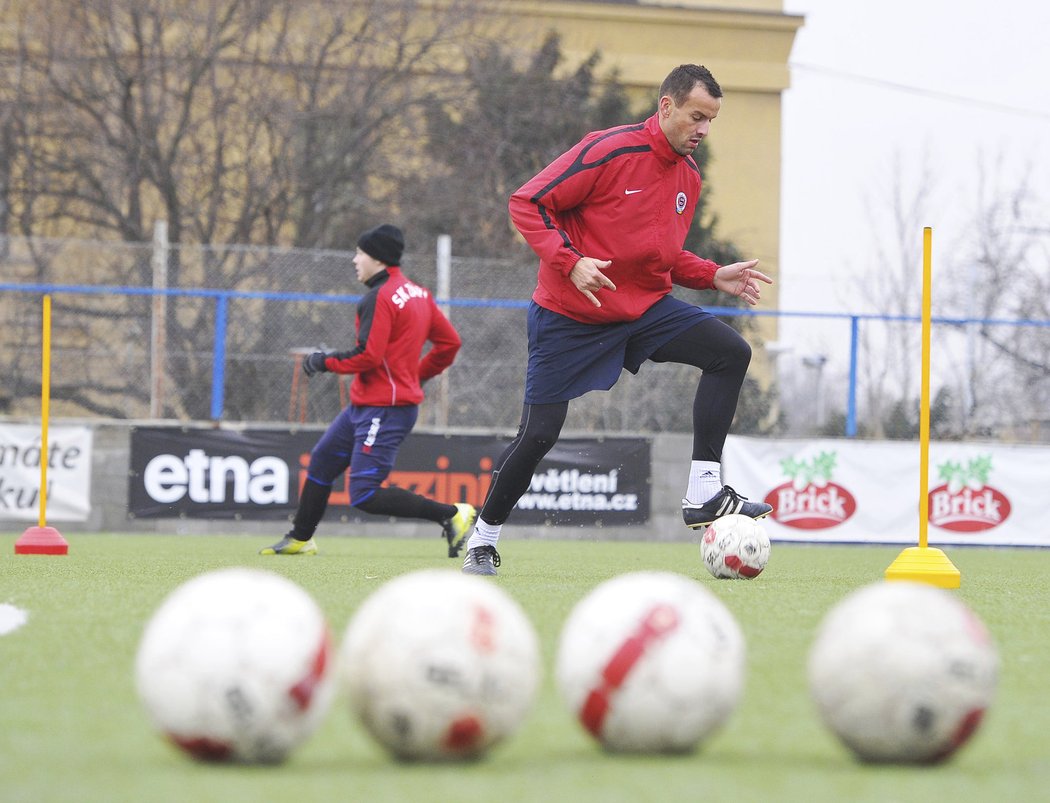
(684, 78)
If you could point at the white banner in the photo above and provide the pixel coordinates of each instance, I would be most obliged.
(868, 491)
(68, 473)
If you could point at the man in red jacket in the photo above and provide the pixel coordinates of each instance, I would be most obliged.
(608, 220)
(395, 319)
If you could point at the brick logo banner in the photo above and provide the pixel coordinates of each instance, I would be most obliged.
(843, 490)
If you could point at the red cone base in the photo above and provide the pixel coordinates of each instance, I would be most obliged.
(41, 541)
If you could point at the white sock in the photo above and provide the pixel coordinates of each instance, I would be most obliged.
(484, 533)
(705, 480)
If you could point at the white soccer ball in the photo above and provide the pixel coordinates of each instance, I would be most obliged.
(439, 665)
(651, 662)
(735, 547)
(902, 672)
(235, 666)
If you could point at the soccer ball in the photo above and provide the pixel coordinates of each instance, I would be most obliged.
(235, 666)
(651, 662)
(439, 665)
(734, 547)
(902, 672)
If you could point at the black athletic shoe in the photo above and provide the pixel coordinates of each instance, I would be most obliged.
(481, 560)
(721, 504)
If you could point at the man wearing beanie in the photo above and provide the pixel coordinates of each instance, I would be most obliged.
(395, 320)
(384, 244)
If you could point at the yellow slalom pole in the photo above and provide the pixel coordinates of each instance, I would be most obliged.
(924, 394)
(45, 409)
(43, 540)
(924, 563)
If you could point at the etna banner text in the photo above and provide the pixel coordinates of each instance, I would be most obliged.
(257, 474)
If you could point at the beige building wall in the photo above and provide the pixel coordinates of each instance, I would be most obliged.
(746, 45)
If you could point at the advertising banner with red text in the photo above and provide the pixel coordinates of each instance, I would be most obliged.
(841, 490)
(256, 474)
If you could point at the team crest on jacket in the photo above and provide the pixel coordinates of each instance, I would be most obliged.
(680, 202)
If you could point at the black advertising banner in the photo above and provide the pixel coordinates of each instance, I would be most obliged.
(580, 481)
(181, 472)
(178, 472)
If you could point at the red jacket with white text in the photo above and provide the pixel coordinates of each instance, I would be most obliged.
(622, 194)
(395, 319)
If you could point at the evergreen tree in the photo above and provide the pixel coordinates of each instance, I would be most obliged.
(520, 120)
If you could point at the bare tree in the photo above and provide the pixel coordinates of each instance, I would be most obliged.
(1001, 275)
(235, 121)
(891, 285)
(991, 374)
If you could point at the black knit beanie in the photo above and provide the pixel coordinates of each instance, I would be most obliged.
(384, 243)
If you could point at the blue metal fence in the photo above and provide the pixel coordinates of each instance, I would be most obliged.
(222, 300)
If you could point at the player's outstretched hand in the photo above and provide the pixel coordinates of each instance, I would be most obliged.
(314, 363)
(587, 275)
(741, 280)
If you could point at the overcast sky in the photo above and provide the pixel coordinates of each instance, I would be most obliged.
(955, 80)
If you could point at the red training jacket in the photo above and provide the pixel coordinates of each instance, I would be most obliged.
(395, 320)
(621, 194)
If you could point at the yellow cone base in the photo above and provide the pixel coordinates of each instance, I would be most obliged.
(924, 565)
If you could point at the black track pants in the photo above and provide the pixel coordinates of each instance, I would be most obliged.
(713, 346)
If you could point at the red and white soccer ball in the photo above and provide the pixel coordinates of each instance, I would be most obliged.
(651, 662)
(902, 672)
(735, 547)
(235, 666)
(439, 665)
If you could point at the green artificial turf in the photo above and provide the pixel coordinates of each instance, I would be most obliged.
(72, 728)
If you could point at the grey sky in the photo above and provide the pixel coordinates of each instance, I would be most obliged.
(949, 82)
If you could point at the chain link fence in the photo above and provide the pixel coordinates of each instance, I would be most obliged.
(189, 333)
